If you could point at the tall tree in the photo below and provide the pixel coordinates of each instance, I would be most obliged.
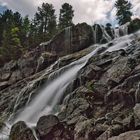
(66, 16)
(45, 19)
(123, 11)
(25, 31)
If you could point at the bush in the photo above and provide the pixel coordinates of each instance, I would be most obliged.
(134, 26)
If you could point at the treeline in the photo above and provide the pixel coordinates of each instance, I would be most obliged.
(19, 34)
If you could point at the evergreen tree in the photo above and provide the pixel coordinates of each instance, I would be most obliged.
(66, 16)
(45, 19)
(123, 11)
(25, 31)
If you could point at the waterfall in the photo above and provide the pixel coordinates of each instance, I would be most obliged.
(121, 30)
(94, 31)
(116, 32)
(47, 99)
(50, 96)
(57, 83)
(68, 38)
(105, 34)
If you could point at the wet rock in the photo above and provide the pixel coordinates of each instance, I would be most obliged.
(75, 108)
(50, 128)
(71, 40)
(111, 131)
(117, 72)
(5, 76)
(20, 131)
(4, 85)
(137, 115)
(45, 60)
(46, 123)
(131, 135)
(83, 130)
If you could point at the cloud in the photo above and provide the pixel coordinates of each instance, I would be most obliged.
(90, 11)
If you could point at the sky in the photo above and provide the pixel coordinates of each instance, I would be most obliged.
(90, 11)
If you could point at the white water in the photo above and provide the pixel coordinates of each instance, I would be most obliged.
(121, 30)
(105, 34)
(94, 31)
(68, 38)
(51, 95)
(48, 98)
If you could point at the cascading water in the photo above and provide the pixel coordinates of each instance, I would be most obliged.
(57, 83)
(121, 30)
(105, 34)
(68, 38)
(94, 30)
(47, 99)
(51, 95)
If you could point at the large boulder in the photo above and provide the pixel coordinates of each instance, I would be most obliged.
(50, 128)
(20, 131)
(131, 135)
(46, 123)
(70, 40)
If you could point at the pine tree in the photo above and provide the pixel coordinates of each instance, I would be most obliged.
(45, 19)
(123, 11)
(66, 16)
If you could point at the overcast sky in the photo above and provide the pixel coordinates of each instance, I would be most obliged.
(90, 11)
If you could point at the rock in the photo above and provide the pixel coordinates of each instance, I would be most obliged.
(137, 115)
(46, 123)
(4, 85)
(5, 76)
(15, 76)
(20, 131)
(45, 60)
(111, 131)
(76, 106)
(117, 72)
(26, 134)
(131, 135)
(83, 130)
(50, 128)
(71, 40)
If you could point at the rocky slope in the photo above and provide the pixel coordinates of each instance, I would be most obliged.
(104, 98)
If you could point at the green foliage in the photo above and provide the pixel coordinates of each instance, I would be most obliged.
(11, 45)
(66, 16)
(45, 20)
(14, 36)
(134, 26)
(123, 11)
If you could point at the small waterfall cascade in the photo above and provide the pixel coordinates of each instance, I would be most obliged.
(105, 34)
(47, 99)
(50, 96)
(121, 30)
(116, 32)
(68, 38)
(99, 33)
(57, 83)
(94, 31)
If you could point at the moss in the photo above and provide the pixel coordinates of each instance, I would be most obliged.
(89, 85)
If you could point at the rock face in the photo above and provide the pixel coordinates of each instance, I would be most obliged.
(71, 40)
(104, 100)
